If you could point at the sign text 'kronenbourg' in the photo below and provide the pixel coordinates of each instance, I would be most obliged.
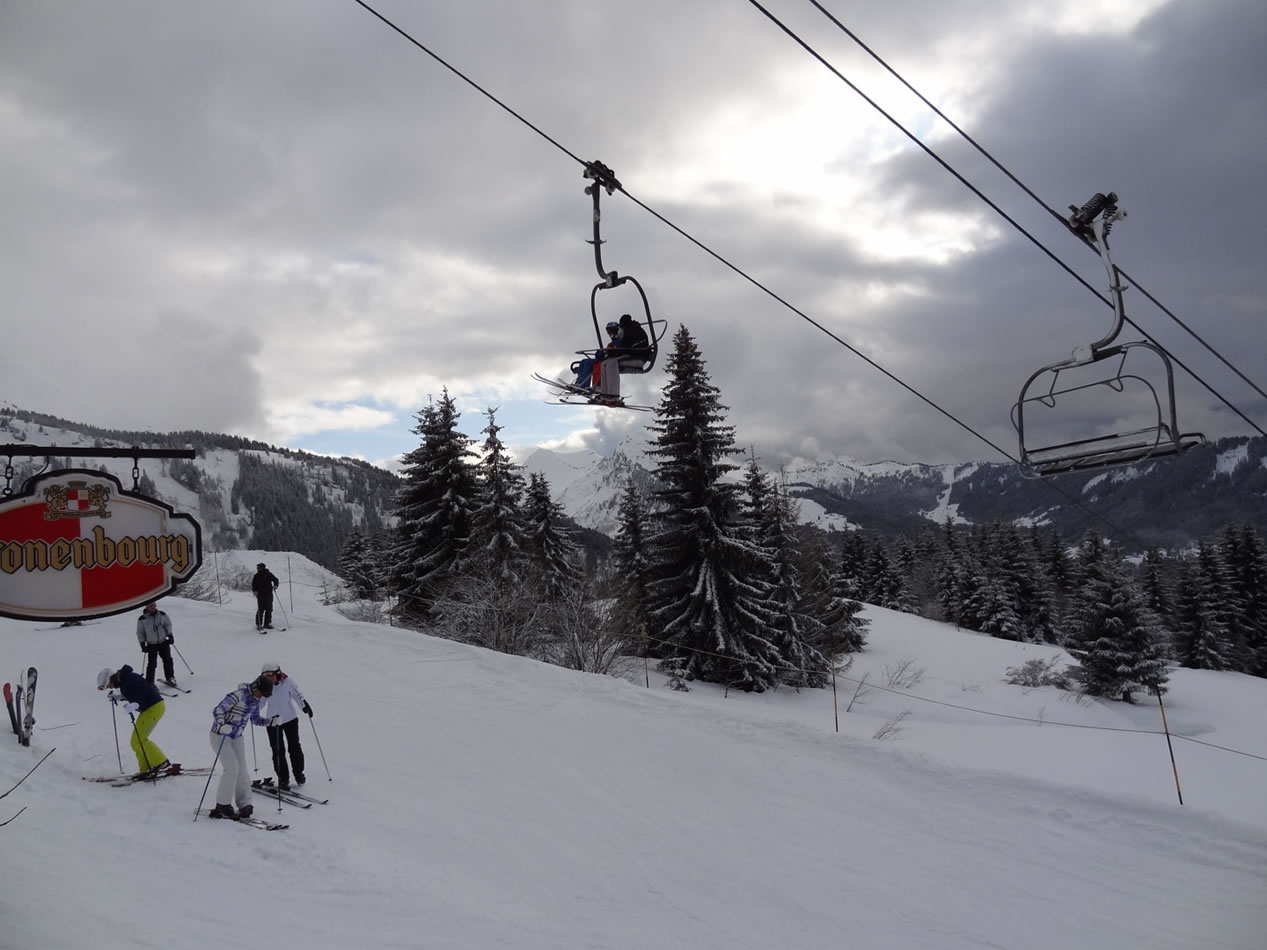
(74, 544)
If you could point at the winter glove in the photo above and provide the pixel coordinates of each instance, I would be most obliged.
(224, 729)
(170, 638)
(114, 699)
(130, 707)
(307, 709)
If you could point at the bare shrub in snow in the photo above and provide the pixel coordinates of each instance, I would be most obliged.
(202, 586)
(904, 675)
(1037, 672)
(892, 728)
(584, 636)
(487, 611)
(365, 611)
(861, 693)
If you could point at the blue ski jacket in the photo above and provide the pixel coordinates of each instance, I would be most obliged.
(137, 689)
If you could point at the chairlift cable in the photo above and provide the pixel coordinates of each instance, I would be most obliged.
(999, 211)
(1072, 499)
(1025, 188)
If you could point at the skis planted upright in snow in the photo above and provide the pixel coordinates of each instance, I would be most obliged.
(13, 713)
(28, 721)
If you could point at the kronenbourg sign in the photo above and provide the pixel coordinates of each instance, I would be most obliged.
(74, 544)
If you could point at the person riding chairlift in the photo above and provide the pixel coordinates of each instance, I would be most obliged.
(587, 369)
(629, 355)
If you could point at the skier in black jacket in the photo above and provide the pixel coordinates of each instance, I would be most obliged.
(263, 584)
(146, 702)
(629, 355)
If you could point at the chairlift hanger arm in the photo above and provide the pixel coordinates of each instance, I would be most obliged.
(604, 179)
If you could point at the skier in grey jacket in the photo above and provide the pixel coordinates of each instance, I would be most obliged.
(154, 633)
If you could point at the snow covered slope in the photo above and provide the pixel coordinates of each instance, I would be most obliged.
(481, 800)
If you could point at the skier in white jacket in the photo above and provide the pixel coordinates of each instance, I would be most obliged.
(285, 704)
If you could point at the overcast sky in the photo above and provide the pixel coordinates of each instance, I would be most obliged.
(282, 220)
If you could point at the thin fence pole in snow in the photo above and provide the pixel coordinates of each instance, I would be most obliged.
(219, 596)
(1169, 745)
(290, 584)
(835, 706)
(646, 664)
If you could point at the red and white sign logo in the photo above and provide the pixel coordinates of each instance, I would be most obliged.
(76, 545)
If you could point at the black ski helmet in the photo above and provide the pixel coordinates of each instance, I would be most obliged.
(263, 685)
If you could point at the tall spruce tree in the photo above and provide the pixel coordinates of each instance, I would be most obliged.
(633, 566)
(1117, 641)
(1199, 638)
(551, 546)
(1249, 577)
(834, 626)
(772, 518)
(708, 598)
(433, 508)
(497, 530)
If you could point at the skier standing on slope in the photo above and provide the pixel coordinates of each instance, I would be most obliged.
(154, 633)
(142, 698)
(263, 584)
(228, 724)
(284, 707)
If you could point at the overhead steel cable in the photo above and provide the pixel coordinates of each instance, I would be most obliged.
(1025, 188)
(466, 79)
(999, 211)
(1077, 502)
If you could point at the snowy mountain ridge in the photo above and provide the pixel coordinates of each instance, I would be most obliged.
(1198, 493)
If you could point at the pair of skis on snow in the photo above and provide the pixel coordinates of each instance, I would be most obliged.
(23, 721)
(120, 781)
(290, 796)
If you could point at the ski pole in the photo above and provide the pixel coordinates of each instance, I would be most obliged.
(209, 774)
(329, 777)
(114, 721)
(182, 658)
(141, 745)
(283, 610)
(254, 759)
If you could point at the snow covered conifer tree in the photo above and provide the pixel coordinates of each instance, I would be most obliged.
(633, 567)
(773, 518)
(707, 599)
(1200, 637)
(1116, 639)
(834, 626)
(549, 541)
(433, 508)
(497, 531)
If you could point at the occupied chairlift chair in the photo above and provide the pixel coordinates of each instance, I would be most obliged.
(1092, 222)
(604, 178)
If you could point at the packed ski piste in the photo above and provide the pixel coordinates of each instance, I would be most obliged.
(491, 800)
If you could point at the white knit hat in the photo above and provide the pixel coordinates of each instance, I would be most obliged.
(103, 678)
(270, 668)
